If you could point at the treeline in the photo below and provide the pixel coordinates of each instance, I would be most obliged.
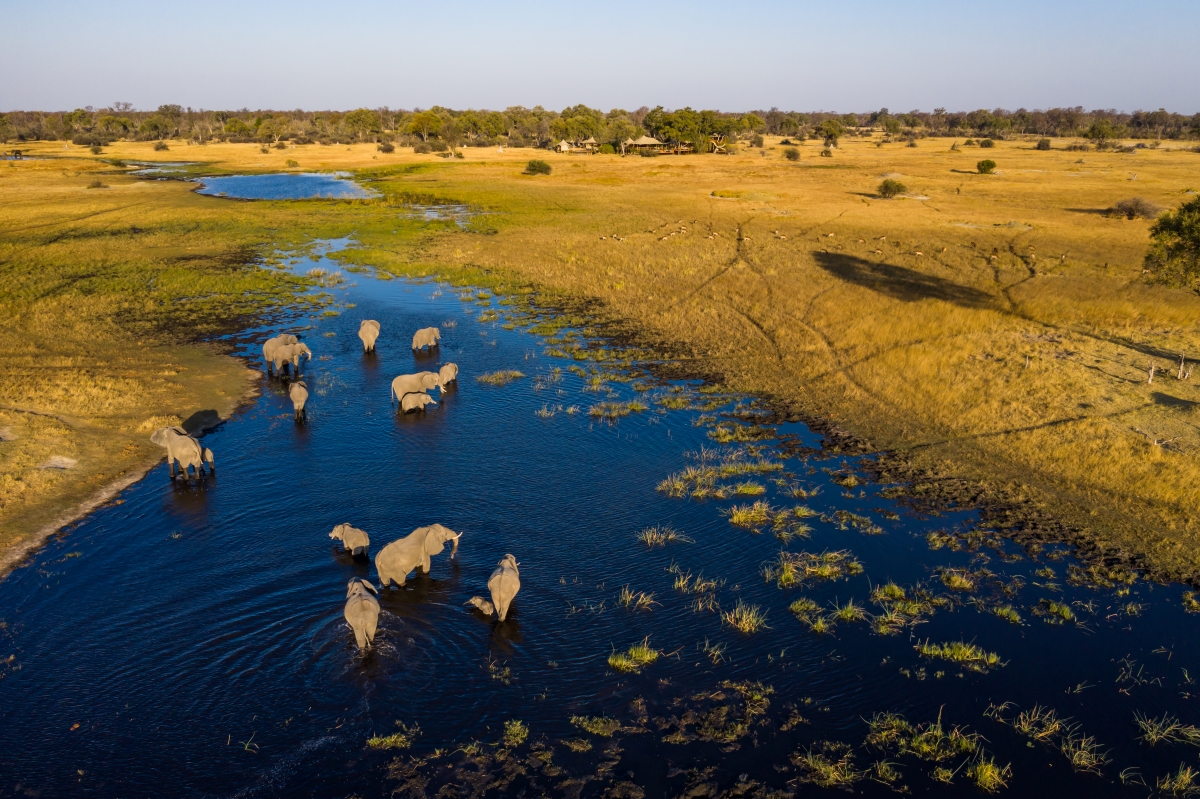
(441, 128)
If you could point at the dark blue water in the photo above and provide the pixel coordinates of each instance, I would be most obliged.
(190, 642)
(284, 186)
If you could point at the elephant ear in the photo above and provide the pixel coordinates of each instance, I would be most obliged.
(368, 586)
(434, 541)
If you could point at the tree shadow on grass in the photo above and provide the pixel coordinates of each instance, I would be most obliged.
(901, 283)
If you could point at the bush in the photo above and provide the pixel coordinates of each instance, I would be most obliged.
(1174, 256)
(96, 149)
(280, 145)
(97, 184)
(607, 149)
(422, 147)
(785, 142)
(648, 153)
(969, 143)
(791, 154)
(827, 153)
(159, 146)
(890, 188)
(291, 163)
(386, 147)
(986, 166)
(536, 167)
(1135, 208)
(439, 146)
(1043, 144)
(1078, 148)
(262, 148)
(987, 143)
(756, 140)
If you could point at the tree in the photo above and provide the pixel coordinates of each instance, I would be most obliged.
(986, 166)
(235, 126)
(1174, 255)
(753, 122)
(831, 130)
(274, 127)
(362, 121)
(425, 124)
(890, 188)
(1101, 131)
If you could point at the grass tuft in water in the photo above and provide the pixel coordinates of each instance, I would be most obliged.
(1190, 603)
(500, 378)
(597, 725)
(794, 568)
(634, 658)
(752, 515)
(661, 535)
(745, 618)
(401, 739)
(1053, 612)
(1084, 752)
(635, 600)
(1185, 781)
(1008, 613)
(611, 411)
(1166, 729)
(892, 732)
(987, 776)
(515, 733)
(967, 655)
(826, 771)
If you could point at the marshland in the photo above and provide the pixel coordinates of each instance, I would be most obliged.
(811, 488)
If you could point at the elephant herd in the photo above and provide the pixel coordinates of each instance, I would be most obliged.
(400, 558)
(413, 552)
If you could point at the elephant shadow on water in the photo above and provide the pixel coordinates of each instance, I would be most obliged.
(370, 361)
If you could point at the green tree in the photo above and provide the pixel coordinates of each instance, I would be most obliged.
(1101, 131)
(425, 124)
(831, 130)
(1174, 255)
(753, 122)
(361, 122)
(235, 126)
(274, 127)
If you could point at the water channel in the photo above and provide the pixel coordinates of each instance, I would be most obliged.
(188, 639)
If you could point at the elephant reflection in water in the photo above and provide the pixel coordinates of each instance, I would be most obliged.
(398, 559)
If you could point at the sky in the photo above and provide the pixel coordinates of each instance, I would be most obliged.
(732, 56)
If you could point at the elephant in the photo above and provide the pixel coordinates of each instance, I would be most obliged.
(418, 383)
(504, 584)
(368, 331)
(481, 605)
(183, 448)
(415, 402)
(362, 611)
(289, 353)
(354, 541)
(298, 391)
(272, 344)
(395, 561)
(448, 374)
(426, 337)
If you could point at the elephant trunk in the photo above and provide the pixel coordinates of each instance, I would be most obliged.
(454, 547)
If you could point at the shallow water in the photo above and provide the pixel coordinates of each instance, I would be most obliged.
(194, 632)
(284, 186)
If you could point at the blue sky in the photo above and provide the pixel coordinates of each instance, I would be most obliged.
(849, 56)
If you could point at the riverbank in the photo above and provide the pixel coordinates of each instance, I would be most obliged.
(990, 332)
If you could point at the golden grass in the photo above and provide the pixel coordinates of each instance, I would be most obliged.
(997, 330)
(968, 655)
(633, 659)
(501, 377)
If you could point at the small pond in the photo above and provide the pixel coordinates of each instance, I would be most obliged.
(188, 640)
(284, 186)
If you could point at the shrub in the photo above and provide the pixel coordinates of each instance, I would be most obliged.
(969, 143)
(791, 154)
(1135, 208)
(987, 143)
(890, 188)
(386, 147)
(537, 167)
(422, 147)
(827, 153)
(786, 143)
(291, 163)
(159, 146)
(97, 184)
(280, 145)
(986, 166)
(607, 149)
(1043, 144)
(756, 140)
(439, 146)
(96, 149)
(648, 154)
(264, 148)
(1174, 256)
(1078, 148)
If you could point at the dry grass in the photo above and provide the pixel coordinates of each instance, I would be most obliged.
(997, 330)
(660, 535)
(501, 377)
(745, 618)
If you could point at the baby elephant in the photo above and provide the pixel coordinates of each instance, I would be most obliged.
(362, 611)
(298, 391)
(415, 402)
(368, 331)
(448, 374)
(426, 337)
(353, 540)
(504, 584)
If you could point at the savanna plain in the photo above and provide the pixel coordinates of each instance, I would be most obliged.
(991, 334)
